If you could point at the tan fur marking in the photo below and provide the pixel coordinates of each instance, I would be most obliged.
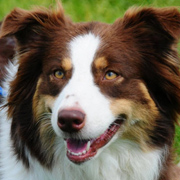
(41, 103)
(151, 103)
(120, 106)
(136, 129)
(36, 98)
(134, 111)
(101, 63)
(140, 118)
(47, 136)
(66, 64)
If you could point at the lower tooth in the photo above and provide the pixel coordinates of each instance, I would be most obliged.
(88, 146)
(76, 154)
(84, 152)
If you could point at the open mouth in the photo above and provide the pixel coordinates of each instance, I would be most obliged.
(79, 151)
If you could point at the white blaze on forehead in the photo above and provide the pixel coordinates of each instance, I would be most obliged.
(81, 91)
(83, 49)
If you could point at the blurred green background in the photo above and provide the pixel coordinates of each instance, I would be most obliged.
(93, 10)
(86, 10)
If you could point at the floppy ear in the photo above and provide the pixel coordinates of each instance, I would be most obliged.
(155, 32)
(31, 30)
(154, 20)
(27, 25)
(18, 23)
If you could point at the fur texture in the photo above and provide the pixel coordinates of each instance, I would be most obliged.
(91, 100)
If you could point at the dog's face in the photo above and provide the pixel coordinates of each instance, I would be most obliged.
(93, 84)
(90, 107)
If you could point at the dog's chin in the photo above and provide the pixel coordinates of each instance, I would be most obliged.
(82, 150)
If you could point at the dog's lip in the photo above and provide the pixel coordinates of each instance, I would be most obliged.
(79, 151)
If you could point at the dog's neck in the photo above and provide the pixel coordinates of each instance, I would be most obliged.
(122, 161)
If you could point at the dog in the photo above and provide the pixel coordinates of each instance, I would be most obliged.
(91, 100)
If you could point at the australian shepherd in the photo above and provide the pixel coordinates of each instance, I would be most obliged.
(91, 101)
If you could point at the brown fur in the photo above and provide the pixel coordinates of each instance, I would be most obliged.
(141, 48)
(7, 50)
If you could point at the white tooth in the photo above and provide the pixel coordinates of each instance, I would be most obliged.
(88, 146)
(78, 154)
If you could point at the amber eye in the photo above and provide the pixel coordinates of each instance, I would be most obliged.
(59, 74)
(110, 75)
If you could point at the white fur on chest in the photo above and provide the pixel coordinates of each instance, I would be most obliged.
(123, 161)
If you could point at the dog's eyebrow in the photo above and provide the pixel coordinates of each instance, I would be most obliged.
(66, 64)
(101, 63)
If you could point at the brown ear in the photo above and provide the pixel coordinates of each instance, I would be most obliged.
(21, 24)
(155, 33)
(17, 20)
(157, 20)
(26, 25)
(158, 28)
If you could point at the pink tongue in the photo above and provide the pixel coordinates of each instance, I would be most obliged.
(76, 146)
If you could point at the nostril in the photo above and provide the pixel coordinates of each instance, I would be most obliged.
(71, 120)
(62, 121)
(77, 121)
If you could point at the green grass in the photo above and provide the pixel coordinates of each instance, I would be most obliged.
(92, 10)
(177, 143)
(87, 10)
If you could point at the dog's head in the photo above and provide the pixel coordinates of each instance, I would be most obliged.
(92, 84)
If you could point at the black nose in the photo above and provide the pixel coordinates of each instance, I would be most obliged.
(71, 120)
